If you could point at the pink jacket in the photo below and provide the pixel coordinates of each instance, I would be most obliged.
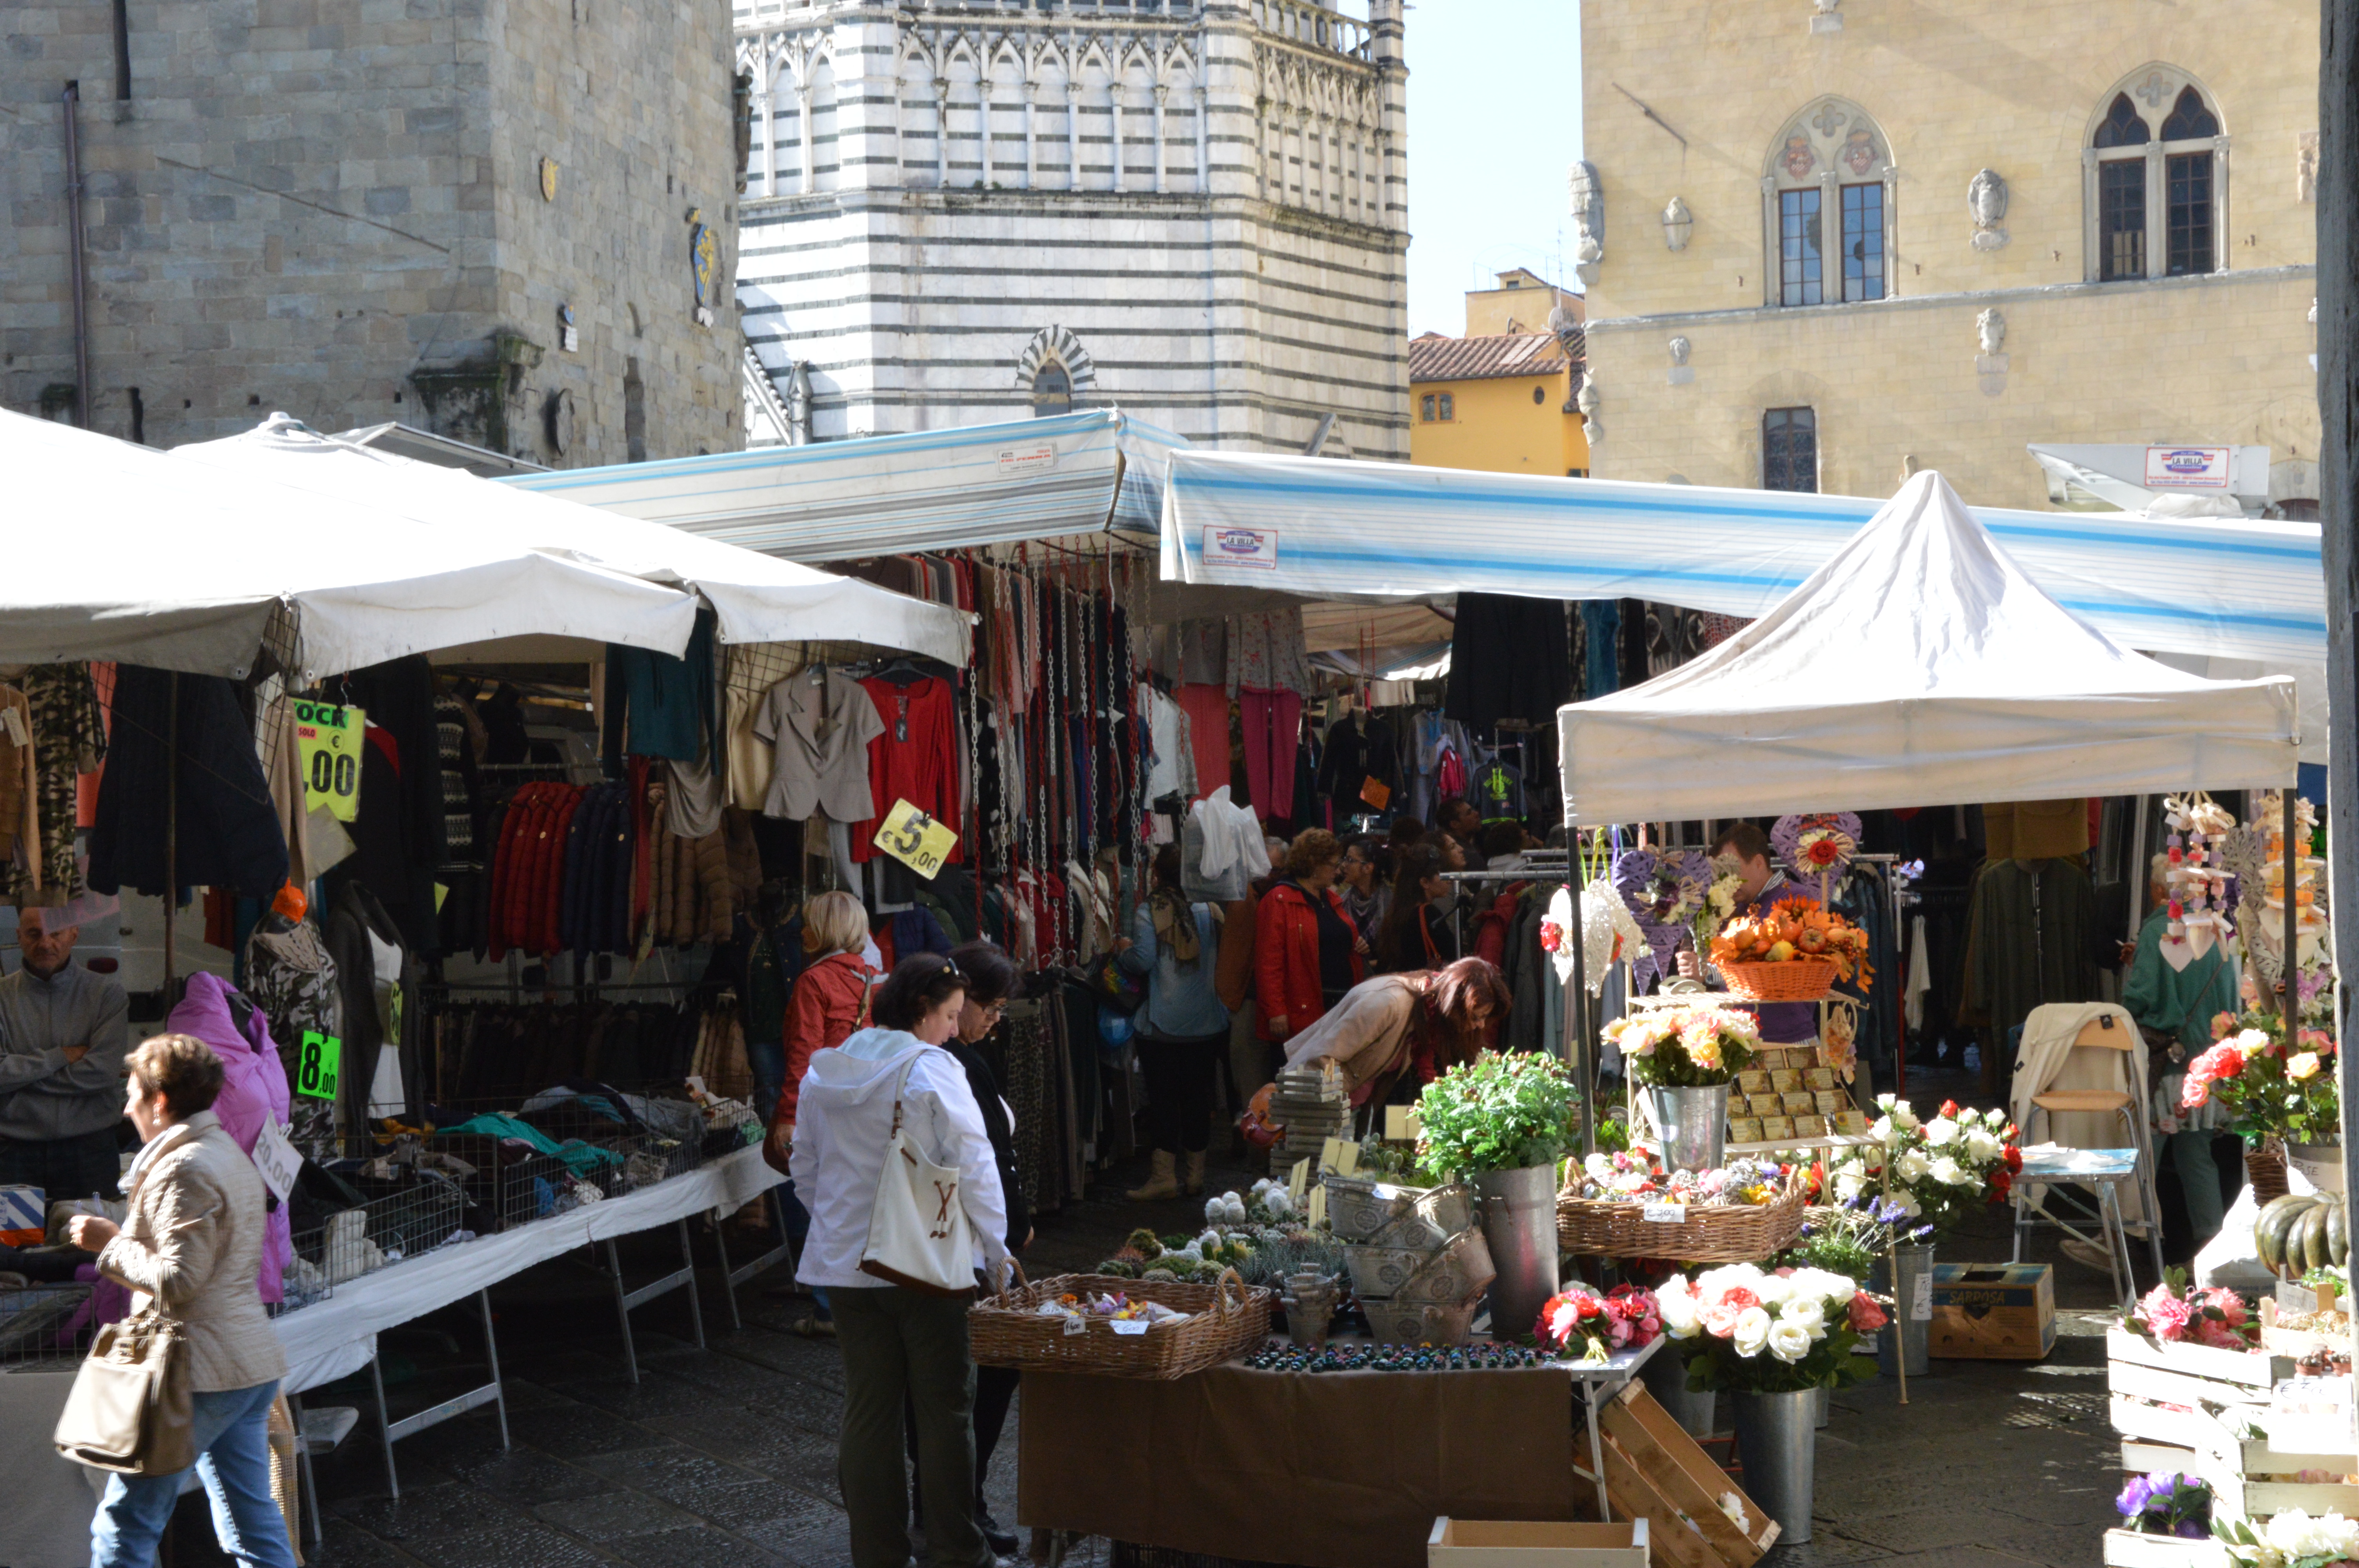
(254, 1085)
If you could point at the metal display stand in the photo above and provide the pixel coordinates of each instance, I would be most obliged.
(390, 1431)
(626, 1298)
(731, 1279)
(1594, 1385)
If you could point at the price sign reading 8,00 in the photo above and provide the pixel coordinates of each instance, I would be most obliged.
(915, 840)
(320, 1066)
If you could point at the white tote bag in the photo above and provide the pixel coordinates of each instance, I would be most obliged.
(918, 1234)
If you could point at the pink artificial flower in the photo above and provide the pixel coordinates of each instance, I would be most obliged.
(2166, 1317)
(1866, 1315)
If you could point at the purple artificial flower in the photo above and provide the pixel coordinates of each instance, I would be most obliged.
(2192, 1529)
(2135, 1497)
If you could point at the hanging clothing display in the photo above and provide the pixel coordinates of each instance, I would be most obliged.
(1272, 724)
(70, 738)
(1510, 657)
(820, 725)
(227, 826)
(2033, 937)
(659, 705)
(20, 792)
(913, 755)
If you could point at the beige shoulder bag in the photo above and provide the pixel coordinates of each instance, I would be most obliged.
(131, 1406)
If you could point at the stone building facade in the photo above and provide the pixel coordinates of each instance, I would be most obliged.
(363, 210)
(1194, 209)
(1827, 244)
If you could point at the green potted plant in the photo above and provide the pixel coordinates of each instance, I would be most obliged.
(1502, 1122)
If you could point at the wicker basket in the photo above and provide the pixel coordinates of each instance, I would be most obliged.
(1711, 1234)
(1225, 1320)
(2265, 1167)
(1797, 979)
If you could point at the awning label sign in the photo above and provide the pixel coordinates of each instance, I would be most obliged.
(2187, 468)
(1255, 548)
(1037, 457)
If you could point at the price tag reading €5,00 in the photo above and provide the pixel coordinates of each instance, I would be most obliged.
(328, 741)
(316, 1071)
(915, 840)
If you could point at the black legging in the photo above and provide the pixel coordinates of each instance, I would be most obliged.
(1179, 1088)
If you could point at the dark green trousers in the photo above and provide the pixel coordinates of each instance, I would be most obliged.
(898, 1343)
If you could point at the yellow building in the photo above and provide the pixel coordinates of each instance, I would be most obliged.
(1827, 243)
(1501, 398)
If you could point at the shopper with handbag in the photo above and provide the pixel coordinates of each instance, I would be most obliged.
(1184, 1028)
(906, 1202)
(830, 1000)
(188, 1249)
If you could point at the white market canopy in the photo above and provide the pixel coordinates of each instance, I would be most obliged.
(2215, 586)
(120, 552)
(757, 598)
(1921, 664)
(928, 490)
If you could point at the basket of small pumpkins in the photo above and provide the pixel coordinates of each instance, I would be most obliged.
(1792, 951)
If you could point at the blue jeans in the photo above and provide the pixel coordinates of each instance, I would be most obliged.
(231, 1432)
(768, 1060)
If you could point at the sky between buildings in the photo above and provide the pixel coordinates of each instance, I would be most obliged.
(1493, 119)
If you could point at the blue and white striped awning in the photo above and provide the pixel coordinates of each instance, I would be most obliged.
(977, 484)
(1320, 527)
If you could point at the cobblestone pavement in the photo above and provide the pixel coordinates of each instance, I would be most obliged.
(724, 1457)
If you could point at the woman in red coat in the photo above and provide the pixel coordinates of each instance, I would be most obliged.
(828, 1001)
(1307, 953)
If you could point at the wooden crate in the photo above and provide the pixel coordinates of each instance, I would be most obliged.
(2192, 1374)
(1655, 1471)
(2217, 1436)
(1522, 1543)
(2127, 1549)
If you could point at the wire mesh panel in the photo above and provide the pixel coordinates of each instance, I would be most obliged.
(45, 1323)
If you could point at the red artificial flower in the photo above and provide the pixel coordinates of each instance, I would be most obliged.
(1551, 936)
(1949, 1108)
(2014, 1158)
(1824, 852)
(1866, 1315)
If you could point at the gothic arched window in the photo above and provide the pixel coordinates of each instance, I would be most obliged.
(1827, 208)
(2155, 177)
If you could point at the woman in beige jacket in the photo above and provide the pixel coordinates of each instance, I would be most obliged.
(189, 1247)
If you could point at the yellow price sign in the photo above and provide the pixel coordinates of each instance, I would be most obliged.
(915, 840)
(328, 741)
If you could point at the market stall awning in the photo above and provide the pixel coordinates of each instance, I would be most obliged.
(1920, 663)
(977, 484)
(120, 552)
(1320, 527)
(758, 597)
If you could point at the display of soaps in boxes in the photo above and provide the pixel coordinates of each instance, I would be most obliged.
(1418, 1262)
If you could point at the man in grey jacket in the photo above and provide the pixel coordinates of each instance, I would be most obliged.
(63, 1033)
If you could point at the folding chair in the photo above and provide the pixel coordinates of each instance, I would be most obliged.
(2103, 1052)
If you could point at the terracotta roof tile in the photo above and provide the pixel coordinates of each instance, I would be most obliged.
(1433, 357)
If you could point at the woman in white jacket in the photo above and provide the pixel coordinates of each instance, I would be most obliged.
(898, 1338)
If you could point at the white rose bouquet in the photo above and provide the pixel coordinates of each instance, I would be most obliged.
(1767, 1332)
(1938, 1170)
(2290, 1539)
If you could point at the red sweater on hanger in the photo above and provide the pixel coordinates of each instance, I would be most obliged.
(916, 759)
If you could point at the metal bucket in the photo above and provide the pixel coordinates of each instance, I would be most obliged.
(2320, 1164)
(1456, 1274)
(1519, 1223)
(1666, 1376)
(1912, 1295)
(1693, 1123)
(1378, 1271)
(1357, 1209)
(1421, 1322)
(1824, 1404)
(1778, 1441)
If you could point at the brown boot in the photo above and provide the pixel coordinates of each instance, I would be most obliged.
(1193, 1164)
(1163, 1183)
